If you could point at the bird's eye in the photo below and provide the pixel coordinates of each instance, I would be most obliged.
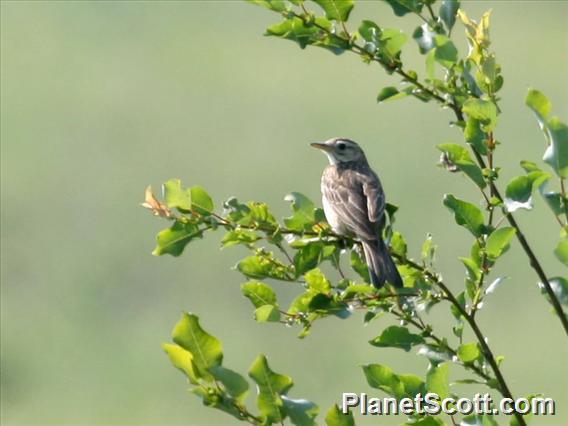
(341, 146)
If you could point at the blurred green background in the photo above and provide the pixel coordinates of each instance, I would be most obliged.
(100, 99)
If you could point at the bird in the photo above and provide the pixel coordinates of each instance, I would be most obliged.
(354, 205)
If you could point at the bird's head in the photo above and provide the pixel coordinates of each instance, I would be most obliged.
(341, 150)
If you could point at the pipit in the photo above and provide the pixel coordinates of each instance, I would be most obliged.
(354, 205)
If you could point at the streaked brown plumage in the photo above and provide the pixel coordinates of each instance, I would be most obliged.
(354, 204)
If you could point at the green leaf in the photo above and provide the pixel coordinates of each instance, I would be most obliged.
(469, 352)
(459, 156)
(296, 30)
(335, 417)
(201, 201)
(235, 384)
(382, 377)
(554, 200)
(262, 266)
(448, 11)
(556, 132)
(540, 105)
(267, 313)
(301, 411)
(437, 380)
(359, 266)
(274, 5)
(175, 196)
(482, 110)
(428, 250)
(560, 288)
(398, 245)
(391, 93)
(498, 242)
(397, 337)
(446, 52)
(182, 360)
(303, 209)
(427, 421)
(308, 257)
(206, 350)
(556, 155)
(466, 214)
(518, 194)
(391, 41)
(402, 7)
(239, 236)
(259, 293)
(561, 251)
(425, 38)
(475, 136)
(173, 240)
(317, 282)
(338, 10)
(271, 387)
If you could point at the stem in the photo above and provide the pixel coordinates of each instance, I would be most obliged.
(563, 195)
(485, 347)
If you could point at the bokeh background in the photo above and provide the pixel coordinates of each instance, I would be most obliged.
(100, 99)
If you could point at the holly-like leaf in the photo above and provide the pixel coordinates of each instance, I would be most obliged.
(397, 337)
(174, 239)
(175, 196)
(466, 214)
(206, 350)
(335, 417)
(498, 242)
(271, 387)
(337, 10)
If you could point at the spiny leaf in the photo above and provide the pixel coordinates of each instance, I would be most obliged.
(271, 387)
(335, 417)
(206, 350)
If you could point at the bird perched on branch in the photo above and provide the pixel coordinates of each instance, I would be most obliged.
(354, 205)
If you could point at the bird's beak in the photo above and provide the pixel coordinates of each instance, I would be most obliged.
(322, 146)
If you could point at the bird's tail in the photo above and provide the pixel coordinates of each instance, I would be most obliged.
(381, 266)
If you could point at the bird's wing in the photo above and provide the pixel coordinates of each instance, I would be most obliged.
(375, 199)
(347, 197)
